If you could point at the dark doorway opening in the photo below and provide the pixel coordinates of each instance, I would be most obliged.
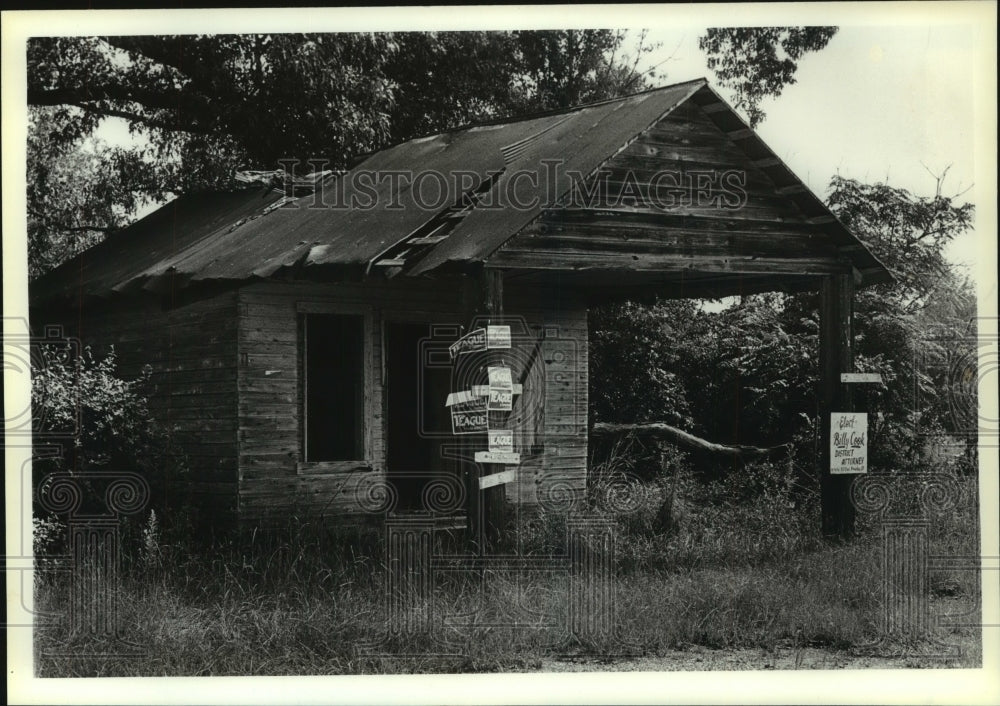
(417, 421)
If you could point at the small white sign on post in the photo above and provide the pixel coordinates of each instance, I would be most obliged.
(468, 413)
(860, 377)
(473, 341)
(501, 440)
(848, 442)
(498, 336)
(507, 458)
(501, 389)
(493, 479)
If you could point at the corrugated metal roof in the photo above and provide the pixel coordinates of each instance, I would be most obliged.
(257, 233)
(127, 259)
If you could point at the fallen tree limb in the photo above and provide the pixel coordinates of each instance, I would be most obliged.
(665, 432)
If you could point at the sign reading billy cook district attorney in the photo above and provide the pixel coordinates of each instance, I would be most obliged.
(849, 442)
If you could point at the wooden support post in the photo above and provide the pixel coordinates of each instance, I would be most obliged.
(836, 356)
(493, 498)
(492, 293)
(486, 507)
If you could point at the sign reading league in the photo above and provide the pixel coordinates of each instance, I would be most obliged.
(501, 440)
(469, 343)
(849, 442)
(501, 389)
(468, 413)
(471, 409)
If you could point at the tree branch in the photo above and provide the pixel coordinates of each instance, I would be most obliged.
(196, 106)
(665, 432)
(137, 46)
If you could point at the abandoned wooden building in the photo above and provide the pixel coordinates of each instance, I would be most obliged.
(299, 337)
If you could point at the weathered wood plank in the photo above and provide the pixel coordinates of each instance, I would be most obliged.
(562, 259)
(670, 242)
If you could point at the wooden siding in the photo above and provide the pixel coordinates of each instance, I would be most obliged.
(190, 352)
(274, 485)
(564, 427)
(767, 234)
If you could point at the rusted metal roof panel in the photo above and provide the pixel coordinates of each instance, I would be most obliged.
(354, 218)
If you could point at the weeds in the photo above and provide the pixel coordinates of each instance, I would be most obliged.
(736, 569)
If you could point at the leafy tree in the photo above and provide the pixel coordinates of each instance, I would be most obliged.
(907, 233)
(754, 372)
(77, 193)
(227, 99)
(641, 349)
(258, 99)
(567, 67)
(757, 62)
(909, 330)
(446, 79)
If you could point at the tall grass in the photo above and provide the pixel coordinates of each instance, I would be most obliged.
(728, 572)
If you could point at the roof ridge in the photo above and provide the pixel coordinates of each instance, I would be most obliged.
(523, 117)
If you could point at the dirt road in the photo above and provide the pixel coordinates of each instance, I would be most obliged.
(700, 659)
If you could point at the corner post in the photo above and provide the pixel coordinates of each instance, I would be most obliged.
(486, 507)
(836, 356)
(493, 498)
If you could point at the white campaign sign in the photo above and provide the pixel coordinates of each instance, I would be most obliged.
(849, 442)
(497, 479)
(470, 342)
(500, 378)
(469, 422)
(498, 336)
(860, 377)
(501, 389)
(501, 400)
(501, 440)
(509, 458)
(468, 413)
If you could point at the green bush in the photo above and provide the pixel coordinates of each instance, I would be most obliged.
(115, 432)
